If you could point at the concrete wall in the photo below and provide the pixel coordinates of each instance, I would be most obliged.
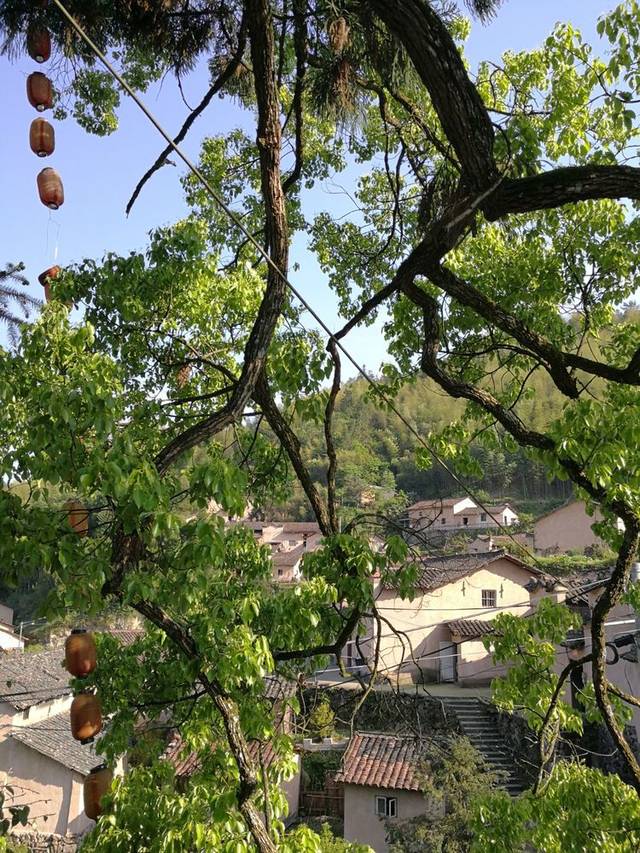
(567, 528)
(424, 619)
(360, 820)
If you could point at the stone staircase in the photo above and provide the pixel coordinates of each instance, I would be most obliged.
(479, 725)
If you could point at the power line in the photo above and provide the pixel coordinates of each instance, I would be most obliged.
(264, 254)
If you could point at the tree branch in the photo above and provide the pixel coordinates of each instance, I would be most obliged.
(225, 75)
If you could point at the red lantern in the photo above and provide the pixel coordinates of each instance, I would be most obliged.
(45, 277)
(39, 91)
(80, 653)
(95, 786)
(77, 513)
(42, 137)
(86, 717)
(38, 43)
(50, 188)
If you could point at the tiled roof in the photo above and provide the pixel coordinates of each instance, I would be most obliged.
(439, 571)
(283, 559)
(277, 688)
(435, 502)
(470, 629)
(29, 678)
(382, 761)
(52, 737)
(186, 765)
(300, 527)
(126, 635)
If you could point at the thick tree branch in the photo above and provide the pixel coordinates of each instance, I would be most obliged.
(611, 595)
(276, 237)
(436, 58)
(562, 186)
(228, 711)
(300, 47)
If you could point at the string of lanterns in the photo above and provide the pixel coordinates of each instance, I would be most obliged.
(80, 658)
(80, 648)
(42, 139)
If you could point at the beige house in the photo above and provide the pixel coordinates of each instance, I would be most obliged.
(8, 637)
(38, 756)
(380, 775)
(288, 541)
(458, 514)
(568, 528)
(436, 636)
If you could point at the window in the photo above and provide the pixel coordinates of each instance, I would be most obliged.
(443, 520)
(279, 573)
(465, 520)
(386, 806)
(483, 516)
(489, 597)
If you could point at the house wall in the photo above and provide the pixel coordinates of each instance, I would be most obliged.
(9, 640)
(49, 789)
(475, 665)
(360, 820)
(566, 529)
(424, 619)
(291, 790)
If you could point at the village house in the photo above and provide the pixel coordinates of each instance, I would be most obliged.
(38, 756)
(380, 775)
(458, 514)
(8, 637)
(437, 636)
(288, 541)
(569, 528)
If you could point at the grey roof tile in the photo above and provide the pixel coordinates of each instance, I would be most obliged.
(52, 737)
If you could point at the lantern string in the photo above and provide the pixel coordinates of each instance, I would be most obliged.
(380, 392)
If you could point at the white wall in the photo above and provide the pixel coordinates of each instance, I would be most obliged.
(360, 820)
(9, 640)
(424, 619)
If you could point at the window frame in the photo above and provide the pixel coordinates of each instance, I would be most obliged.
(489, 598)
(390, 806)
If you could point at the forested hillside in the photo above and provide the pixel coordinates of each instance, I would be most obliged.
(377, 463)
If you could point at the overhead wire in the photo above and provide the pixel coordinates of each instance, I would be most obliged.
(269, 261)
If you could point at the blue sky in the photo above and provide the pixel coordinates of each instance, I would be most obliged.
(99, 174)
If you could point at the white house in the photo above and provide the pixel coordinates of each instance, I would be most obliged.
(8, 637)
(453, 514)
(381, 778)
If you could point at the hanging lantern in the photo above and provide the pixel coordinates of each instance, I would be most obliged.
(38, 43)
(77, 513)
(50, 188)
(39, 91)
(45, 277)
(42, 138)
(95, 786)
(80, 653)
(86, 717)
